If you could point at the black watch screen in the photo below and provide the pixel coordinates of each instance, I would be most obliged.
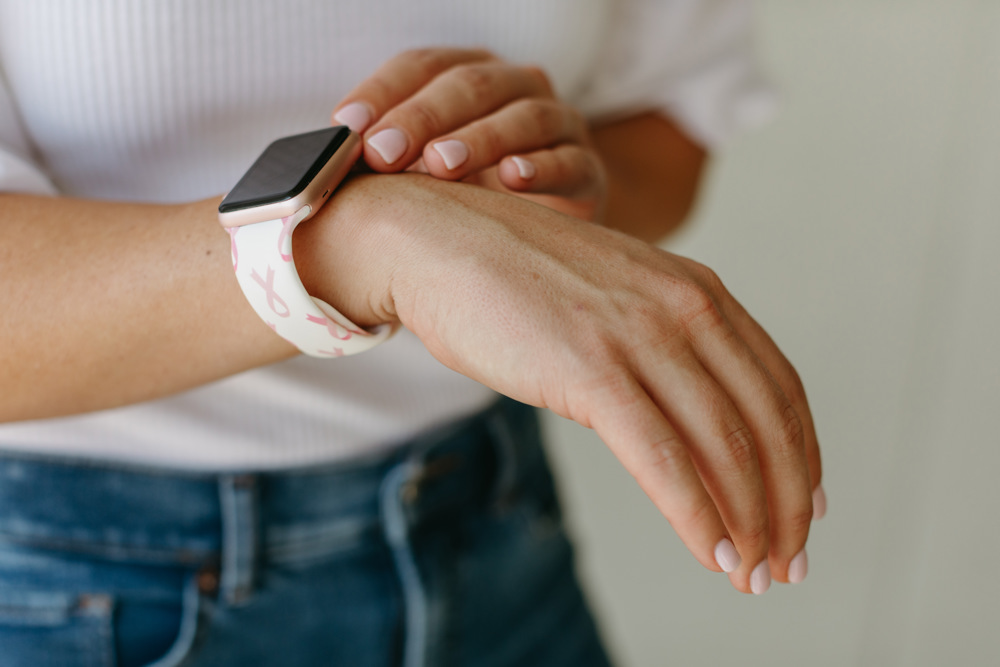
(285, 168)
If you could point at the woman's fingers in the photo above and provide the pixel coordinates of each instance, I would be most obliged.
(638, 434)
(458, 112)
(523, 126)
(614, 333)
(454, 99)
(396, 80)
(722, 446)
(788, 379)
(774, 423)
(567, 170)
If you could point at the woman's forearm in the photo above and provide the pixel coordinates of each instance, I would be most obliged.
(106, 304)
(654, 170)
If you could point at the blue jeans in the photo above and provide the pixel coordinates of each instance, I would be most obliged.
(449, 551)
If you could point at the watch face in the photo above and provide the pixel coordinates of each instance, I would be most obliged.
(284, 169)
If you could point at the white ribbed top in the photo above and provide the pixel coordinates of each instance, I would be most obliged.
(170, 100)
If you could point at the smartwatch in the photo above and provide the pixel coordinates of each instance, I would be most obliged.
(287, 184)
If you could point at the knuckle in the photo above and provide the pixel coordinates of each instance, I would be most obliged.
(791, 435)
(756, 535)
(700, 513)
(741, 447)
(668, 455)
(698, 309)
(489, 140)
(536, 116)
(425, 119)
(547, 117)
(475, 79)
(799, 522)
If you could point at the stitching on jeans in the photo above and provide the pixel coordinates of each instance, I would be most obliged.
(111, 551)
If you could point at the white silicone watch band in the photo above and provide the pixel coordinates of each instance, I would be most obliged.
(262, 259)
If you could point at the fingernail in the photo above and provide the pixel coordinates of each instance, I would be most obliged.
(355, 115)
(418, 167)
(798, 568)
(453, 152)
(525, 168)
(760, 578)
(726, 555)
(819, 503)
(390, 144)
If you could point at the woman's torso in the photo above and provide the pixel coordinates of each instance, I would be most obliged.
(170, 101)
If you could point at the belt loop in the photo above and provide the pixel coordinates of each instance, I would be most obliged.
(240, 537)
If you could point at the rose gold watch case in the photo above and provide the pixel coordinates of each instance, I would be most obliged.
(314, 195)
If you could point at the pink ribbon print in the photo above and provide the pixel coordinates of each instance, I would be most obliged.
(273, 298)
(289, 311)
(337, 331)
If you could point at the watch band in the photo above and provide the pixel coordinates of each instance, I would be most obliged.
(262, 260)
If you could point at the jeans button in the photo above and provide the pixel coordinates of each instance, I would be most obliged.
(208, 581)
(94, 603)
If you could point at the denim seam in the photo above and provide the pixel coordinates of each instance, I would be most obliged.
(396, 534)
(111, 551)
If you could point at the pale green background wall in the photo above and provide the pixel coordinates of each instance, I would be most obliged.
(862, 228)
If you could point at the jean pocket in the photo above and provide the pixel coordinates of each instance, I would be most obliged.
(46, 629)
(185, 631)
(63, 609)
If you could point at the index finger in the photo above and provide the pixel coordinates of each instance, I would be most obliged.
(396, 80)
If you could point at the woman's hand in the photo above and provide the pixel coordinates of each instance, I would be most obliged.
(646, 347)
(467, 115)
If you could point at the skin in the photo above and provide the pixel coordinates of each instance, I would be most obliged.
(646, 347)
(639, 176)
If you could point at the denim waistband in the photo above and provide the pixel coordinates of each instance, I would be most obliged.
(166, 516)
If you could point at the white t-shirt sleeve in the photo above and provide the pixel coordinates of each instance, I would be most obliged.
(19, 172)
(691, 59)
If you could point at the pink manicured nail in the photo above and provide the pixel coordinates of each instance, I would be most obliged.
(453, 152)
(819, 503)
(355, 115)
(726, 555)
(527, 171)
(798, 568)
(418, 167)
(760, 578)
(390, 144)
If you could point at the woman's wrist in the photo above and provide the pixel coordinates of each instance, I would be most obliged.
(348, 252)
